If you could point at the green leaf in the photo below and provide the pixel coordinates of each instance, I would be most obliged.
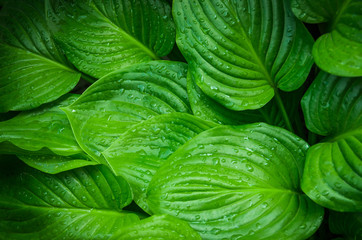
(347, 224)
(140, 151)
(43, 138)
(333, 172)
(241, 52)
(332, 107)
(338, 51)
(208, 109)
(158, 227)
(32, 70)
(238, 183)
(332, 104)
(119, 100)
(85, 203)
(99, 37)
(316, 11)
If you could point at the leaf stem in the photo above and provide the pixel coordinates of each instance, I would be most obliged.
(88, 78)
(312, 138)
(282, 109)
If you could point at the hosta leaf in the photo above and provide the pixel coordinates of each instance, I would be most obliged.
(339, 51)
(333, 172)
(119, 100)
(348, 224)
(43, 138)
(208, 109)
(241, 52)
(316, 11)
(333, 107)
(84, 203)
(140, 151)
(99, 37)
(238, 183)
(32, 70)
(333, 104)
(158, 227)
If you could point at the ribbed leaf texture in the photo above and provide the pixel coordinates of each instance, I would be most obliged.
(241, 52)
(332, 107)
(332, 104)
(85, 203)
(119, 100)
(339, 51)
(99, 37)
(140, 151)
(347, 224)
(43, 138)
(32, 70)
(158, 227)
(333, 172)
(208, 109)
(238, 183)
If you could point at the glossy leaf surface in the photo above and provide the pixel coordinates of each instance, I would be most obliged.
(44, 139)
(332, 107)
(99, 37)
(241, 52)
(238, 183)
(158, 227)
(332, 104)
(32, 70)
(339, 51)
(140, 151)
(333, 172)
(84, 203)
(121, 99)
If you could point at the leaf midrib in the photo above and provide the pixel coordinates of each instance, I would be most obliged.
(268, 77)
(27, 52)
(339, 13)
(71, 209)
(123, 32)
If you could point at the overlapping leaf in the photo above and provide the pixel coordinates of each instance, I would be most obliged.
(32, 70)
(288, 117)
(333, 173)
(333, 105)
(339, 51)
(44, 139)
(347, 224)
(85, 203)
(238, 183)
(119, 100)
(140, 151)
(158, 227)
(241, 52)
(99, 37)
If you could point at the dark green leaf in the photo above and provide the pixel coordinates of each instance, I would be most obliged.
(32, 70)
(332, 107)
(333, 172)
(347, 224)
(241, 52)
(238, 183)
(332, 104)
(339, 51)
(119, 100)
(43, 138)
(140, 151)
(85, 203)
(158, 227)
(208, 109)
(99, 37)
